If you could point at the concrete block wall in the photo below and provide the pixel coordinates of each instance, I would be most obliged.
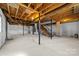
(2, 28)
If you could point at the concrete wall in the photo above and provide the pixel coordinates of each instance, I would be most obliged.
(2, 28)
(78, 28)
(17, 30)
(69, 29)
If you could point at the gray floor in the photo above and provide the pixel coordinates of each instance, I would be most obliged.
(28, 46)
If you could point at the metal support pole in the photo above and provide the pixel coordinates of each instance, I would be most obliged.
(33, 29)
(51, 28)
(23, 28)
(6, 29)
(39, 29)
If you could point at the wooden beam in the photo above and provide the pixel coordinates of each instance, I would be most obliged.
(53, 8)
(3, 6)
(10, 17)
(71, 16)
(16, 12)
(29, 9)
(12, 10)
(67, 10)
(8, 8)
(76, 20)
(45, 8)
(38, 5)
(23, 14)
(25, 10)
(14, 21)
(28, 15)
(17, 17)
(29, 5)
(59, 10)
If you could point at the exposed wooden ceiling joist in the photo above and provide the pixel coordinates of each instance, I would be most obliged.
(25, 10)
(64, 11)
(45, 8)
(31, 10)
(70, 17)
(3, 6)
(41, 6)
(12, 11)
(25, 13)
(38, 5)
(64, 8)
(56, 6)
(53, 7)
(12, 20)
(16, 12)
(29, 5)
(8, 8)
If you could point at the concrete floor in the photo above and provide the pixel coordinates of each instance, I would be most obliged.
(27, 46)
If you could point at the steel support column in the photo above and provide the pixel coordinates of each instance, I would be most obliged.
(23, 28)
(39, 29)
(33, 29)
(6, 29)
(51, 28)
